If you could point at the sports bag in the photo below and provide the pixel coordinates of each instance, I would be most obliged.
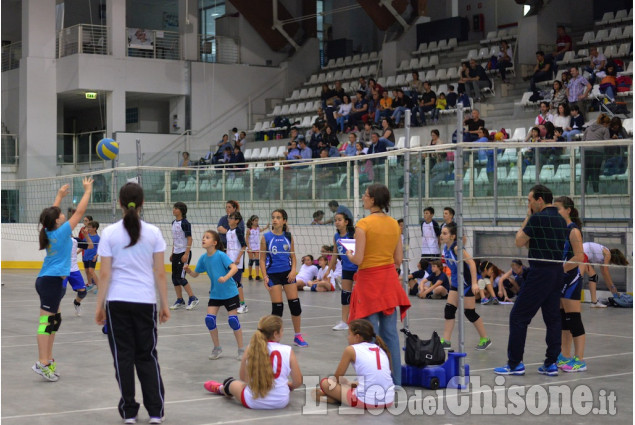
(421, 353)
(624, 301)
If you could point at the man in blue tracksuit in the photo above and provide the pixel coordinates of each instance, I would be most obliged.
(544, 232)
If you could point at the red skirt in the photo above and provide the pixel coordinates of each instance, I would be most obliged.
(377, 289)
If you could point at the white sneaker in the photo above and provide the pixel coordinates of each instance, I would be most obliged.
(243, 309)
(306, 288)
(597, 304)
(341, 326)
(78, 309)
(130, 421)
(216, 352)
(155, 420)
(45, 372)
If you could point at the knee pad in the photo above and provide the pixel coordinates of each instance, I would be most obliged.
(277, 309)
(574, 324)
(46, 325)
(257, 262)
(251, 262)
(57, 322)
(294, 307)
(346, 297)
(226, 383)
(210, 321)
(593, 278)
(239, 284)
(563, 319)
(313, 289)
(472, 315)
(82, 294)
(234, 323)
(450, 311)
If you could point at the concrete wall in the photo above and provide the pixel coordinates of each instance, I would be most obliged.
(11, 100)
(355, 25)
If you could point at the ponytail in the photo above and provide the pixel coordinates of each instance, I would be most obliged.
(618, 258)
(575, 217)
(48, 220)
(131, 199)
(364, 328)
(259, 367)
(381, 344)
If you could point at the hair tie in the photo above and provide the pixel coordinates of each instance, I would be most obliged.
(132, 205)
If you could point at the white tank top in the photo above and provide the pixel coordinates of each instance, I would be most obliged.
(233, 247)
(74, 266)
(278, 396)
(254, 239)
(307, 273)
(372, 367)
(594, 251)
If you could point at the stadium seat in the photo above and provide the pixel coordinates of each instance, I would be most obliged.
(281, 152)
(453, 73)
(248, 153)
(295, 95)
(330, 64)
(381, 81)
(415, 141)
(519, 135)
(452, 43)
(529, 176)
(430, 74)
(508, 186)
(364, 57)
(606, 18)
(442, 75)
(321, 78)
(313, 92)
(443, 45)
(403, 66)
(628, 125)
(546, 173)
(346, 75)
(623, 51)
(434, 60)
(601, 36)
(300, 108)
(348, 60)
(424, 61)
(285, 110)
(372, 70)
(303, 94)
(373, 56)
(257, 127)
(357, 59)
(509, 156)
(483, 53)
(443, 88)
(312, 80)
(306, 122)
(414, 63)
(355, 73)
(433, 46)
(615, 34)
(569, 57)
(292, 109)
(501, 173)
(587, 38)
(423, 48)
(400, 80)
(629, 70)
(401, 143)
(628, 32)
(472, 54)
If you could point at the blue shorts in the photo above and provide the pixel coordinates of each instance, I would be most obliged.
(89, 264)
(467, 292)
(76, 280)
(279, 278)
(238, 277)
(572, 286)
(51, 291)
(348, 274)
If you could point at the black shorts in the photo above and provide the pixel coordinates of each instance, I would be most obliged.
(348, 274)
(89, 264)
(572, 286)
(238, 277)
(51, 292)
(230, 303)
(279, 278)
(469, 292)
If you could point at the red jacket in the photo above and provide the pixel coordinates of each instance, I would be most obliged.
(377, 289)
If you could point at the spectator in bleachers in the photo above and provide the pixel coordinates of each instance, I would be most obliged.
(451, 96)
(566, 77)
(608, 85)
(563, 43)
(339, 92)
(543, 71)
(326, 94)
(593, 156)
(563, 117)
(559, 95)
(427, 103)
(329, 138)
(578, 88)
(364, 88)
(364, 135)
(387, 134)
(348, 148)
(292, 150)
(375, 87)
(222, 146)
(504, 58)
(385, 108)
(477, 81)
(316, 138)
(241, 142)
(376, 144)
(373, 107)
(473, 123)
(320, 121)
(616, 130)
(543, 115)
(233, 135)
(415, 87)
(533, 136)
(464, 75)
(401, 103)
(186, 160)
(576, 124)
(441, 105)
(305, 152)
(360, 149)
(330, 112)
(359, 109)
(293, 135)
(596, 67)
(342, 113)
(238, 157)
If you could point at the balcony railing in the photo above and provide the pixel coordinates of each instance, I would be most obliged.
(9, 149)
(11, 54)
(83, 38)
(219, 49)
(143, 43)
(78, 148)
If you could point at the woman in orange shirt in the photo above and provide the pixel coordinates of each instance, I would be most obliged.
(378, 249)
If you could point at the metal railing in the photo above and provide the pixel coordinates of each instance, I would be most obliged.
(82, 38)
(78, 148)
(9, 149)
(155, 44)
(219, 49)
(11, 55)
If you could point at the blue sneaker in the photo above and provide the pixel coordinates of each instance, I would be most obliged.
(506, 370)
(562, 360)
(300, 342)
(551, 370)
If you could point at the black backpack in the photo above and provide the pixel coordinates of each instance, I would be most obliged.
(422, 353)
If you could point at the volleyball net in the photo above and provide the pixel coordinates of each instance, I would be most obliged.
(495, 181)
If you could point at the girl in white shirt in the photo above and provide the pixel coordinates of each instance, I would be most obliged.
(598, 254)
(253, 242)
(325, 280)
(132, 256)
(264, 370)
(371, 361)
(308, 272)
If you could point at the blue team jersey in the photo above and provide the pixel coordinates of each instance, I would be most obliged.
(89, 254)
(278, 259)
(568, 250)
(58, 252)
(451, 262)
(346, 263)
(216, 266)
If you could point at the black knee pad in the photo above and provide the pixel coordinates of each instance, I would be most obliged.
(81, 294)
(346, 297)
(472, 315)
(575, 325)
(563, 319)
(593, 278)
(450, 311)
(57, 322)
(239, 285)
(294, 307)
(277, 309)
(226, 383)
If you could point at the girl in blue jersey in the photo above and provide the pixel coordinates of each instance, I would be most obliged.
(55, 237)
(345, 230)
(448, 238)
(572, 327)
(278, 266)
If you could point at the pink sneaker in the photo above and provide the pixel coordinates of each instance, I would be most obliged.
(213, 387)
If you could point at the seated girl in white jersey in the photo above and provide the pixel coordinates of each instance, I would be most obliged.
(598, 254)
(371, 361)
(325, 279)
(308, 272)
(264, 370)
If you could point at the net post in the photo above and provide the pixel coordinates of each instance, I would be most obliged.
(582, 184)
(356, 211)
(406, 210)
(458, 196)
(495, 188)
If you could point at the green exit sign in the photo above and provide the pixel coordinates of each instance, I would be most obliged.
(91, 95)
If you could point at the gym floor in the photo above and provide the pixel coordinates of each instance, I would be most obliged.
(87, 391)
